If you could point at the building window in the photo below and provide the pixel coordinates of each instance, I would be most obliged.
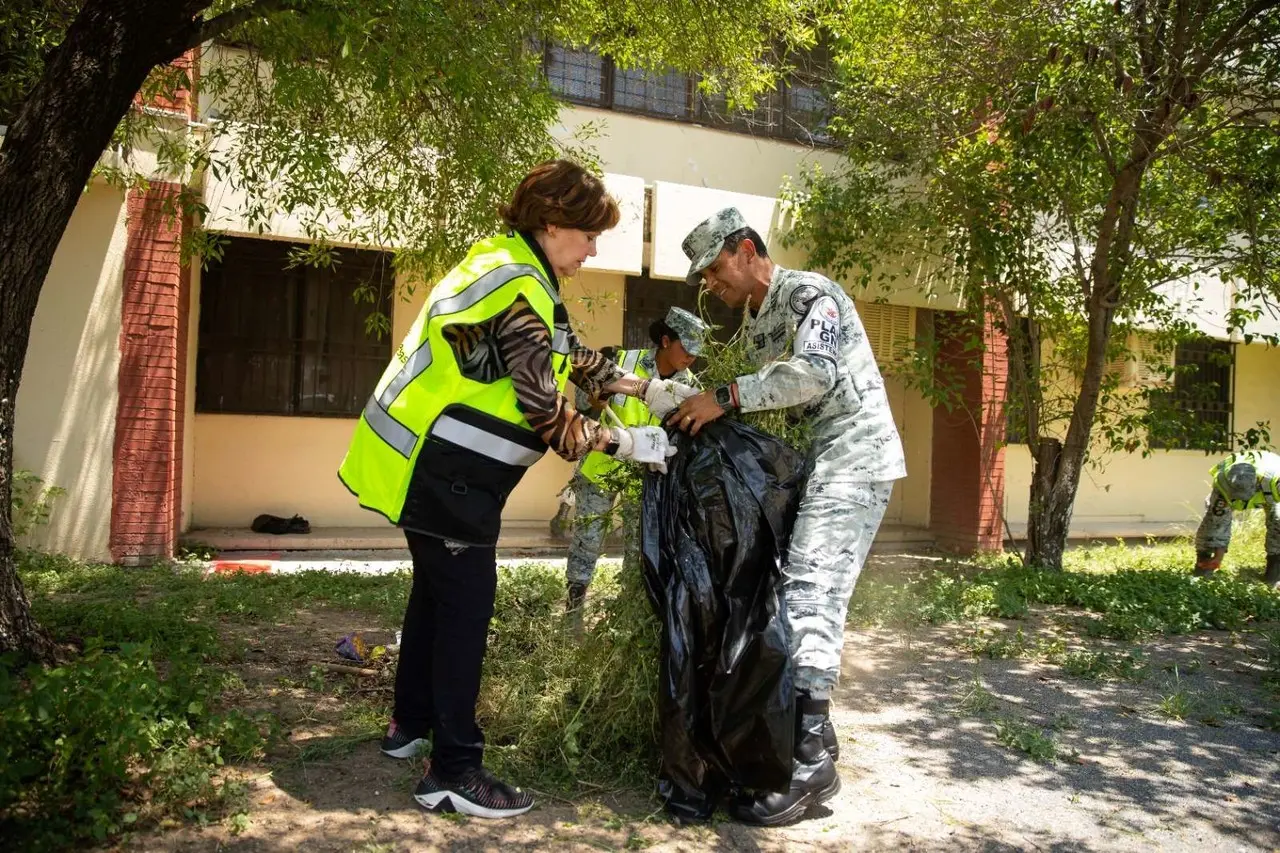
(797, 110)
(666, 95)
(577, 75)
(1202, 390)
(648, 299)
(282, 339)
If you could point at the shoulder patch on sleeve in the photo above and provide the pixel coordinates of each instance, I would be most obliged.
(819, 331)
(802, 297)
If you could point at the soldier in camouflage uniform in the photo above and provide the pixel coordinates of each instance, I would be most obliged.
(678, 341)
(1242, 481)
(814, 358)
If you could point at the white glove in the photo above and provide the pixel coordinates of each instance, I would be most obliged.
(664, 396)
(647, 444)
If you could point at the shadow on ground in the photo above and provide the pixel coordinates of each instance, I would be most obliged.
(923, 765)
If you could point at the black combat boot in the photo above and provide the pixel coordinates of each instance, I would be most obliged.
(829, 736)
(1272, 577)
(814, 779)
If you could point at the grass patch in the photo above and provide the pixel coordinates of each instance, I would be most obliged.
(1179, 702)
(558, 710)
(137, 729)
(1000, 645)
(1177, 705)
(104, 743)
(977, 700)
(1036, 743)
(1087, 663)
(1123, 602)
(176, 609)
(1103, 665)
(1271, 659)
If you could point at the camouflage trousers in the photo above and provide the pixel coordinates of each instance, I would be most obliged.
(590, 525)
(1215, 528)
(833, 533)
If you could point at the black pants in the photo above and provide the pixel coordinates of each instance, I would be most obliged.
(442, 645)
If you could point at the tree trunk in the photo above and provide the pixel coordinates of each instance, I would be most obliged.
(1047, 522)
(1054, 485)
(48, 155)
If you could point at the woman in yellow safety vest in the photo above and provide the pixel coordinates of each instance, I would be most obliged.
(677, 340)
(472, 398)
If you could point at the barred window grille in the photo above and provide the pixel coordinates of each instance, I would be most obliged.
(807, 111)
(648, 299)
(643, 91)
(276, 340)
(797, 110)
(1203, 390)
(577, 75)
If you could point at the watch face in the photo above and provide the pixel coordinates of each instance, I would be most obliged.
(723, 397)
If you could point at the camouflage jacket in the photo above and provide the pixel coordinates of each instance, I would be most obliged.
(814, 355)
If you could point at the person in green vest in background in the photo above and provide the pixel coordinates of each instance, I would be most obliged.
(1241, 481)
(678, 341)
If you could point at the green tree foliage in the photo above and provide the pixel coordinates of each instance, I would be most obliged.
(407, 120)
(1061, 163)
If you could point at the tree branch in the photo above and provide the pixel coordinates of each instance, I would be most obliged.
(1103, 146)
(228, 21)
(1176, 144)
(1227, 36)
(1146, 54)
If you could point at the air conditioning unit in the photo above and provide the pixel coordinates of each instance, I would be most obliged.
(891, 330)
(1142, 365)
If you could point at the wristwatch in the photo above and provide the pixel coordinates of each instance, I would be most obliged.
(724, 397)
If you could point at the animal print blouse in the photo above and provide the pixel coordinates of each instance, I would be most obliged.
(518, 343)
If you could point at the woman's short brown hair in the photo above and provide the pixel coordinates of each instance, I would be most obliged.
(560, 193)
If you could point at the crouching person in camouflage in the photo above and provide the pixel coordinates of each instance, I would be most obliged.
(813, 356)
(678, 341)
(1241, 481)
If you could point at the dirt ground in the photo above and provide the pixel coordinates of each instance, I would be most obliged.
(923, 765)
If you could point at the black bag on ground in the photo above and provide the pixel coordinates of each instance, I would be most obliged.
(714, 533)
(267, 523)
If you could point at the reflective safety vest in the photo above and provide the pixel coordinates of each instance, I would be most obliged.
(1268, 467)
(630, 410)
(434, 444)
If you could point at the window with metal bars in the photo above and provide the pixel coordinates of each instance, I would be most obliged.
(282, 339)
(1200, 399)
(797, 110)
(577, 75)
(648, 299)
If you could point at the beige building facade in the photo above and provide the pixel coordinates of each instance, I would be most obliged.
(120, 412)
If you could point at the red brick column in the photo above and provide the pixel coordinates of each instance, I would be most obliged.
(147, 472)
(967, 486)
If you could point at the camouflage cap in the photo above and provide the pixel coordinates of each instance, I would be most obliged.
(705, 241)
(691, 330)
(1239, 481)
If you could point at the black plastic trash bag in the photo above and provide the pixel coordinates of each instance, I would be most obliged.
(714, 533)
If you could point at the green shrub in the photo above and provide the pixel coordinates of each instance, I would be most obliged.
(101, 743)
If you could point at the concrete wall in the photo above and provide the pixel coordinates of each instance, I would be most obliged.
(66, 407)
